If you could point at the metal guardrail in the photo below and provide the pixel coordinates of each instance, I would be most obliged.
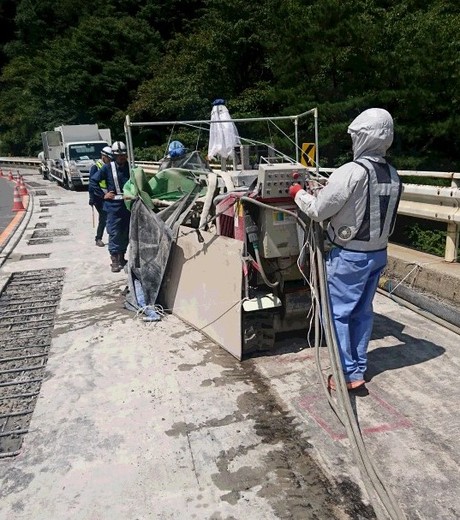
(20, 161)
(149, 167)
(441, 204)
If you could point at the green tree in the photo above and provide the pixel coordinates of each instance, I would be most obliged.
(89, 74)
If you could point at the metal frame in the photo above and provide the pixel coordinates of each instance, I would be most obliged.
(295, 118)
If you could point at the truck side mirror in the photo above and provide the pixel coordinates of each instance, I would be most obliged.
(62, 155)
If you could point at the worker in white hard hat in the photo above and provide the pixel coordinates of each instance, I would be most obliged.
(97, 192)
(116, 174)
(360, 202)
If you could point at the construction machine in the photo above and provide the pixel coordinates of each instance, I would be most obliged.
(236, 266)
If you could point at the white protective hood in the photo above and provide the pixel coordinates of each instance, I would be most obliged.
(371, 134)
(223, 137)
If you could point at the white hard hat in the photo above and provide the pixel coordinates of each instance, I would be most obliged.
(119, 148)
(107, 151)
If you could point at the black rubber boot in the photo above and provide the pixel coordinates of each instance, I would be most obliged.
(122, 260)
(115, 265)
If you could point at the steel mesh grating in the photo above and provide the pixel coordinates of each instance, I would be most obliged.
(27, 311)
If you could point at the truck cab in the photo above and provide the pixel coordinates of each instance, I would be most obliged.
(70, 151)
(78, 158)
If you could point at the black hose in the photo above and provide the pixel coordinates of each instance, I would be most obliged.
(449, 314)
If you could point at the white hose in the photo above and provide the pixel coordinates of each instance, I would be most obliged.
(212, 184)
(226, 177)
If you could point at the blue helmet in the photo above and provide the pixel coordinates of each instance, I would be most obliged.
(176, 149)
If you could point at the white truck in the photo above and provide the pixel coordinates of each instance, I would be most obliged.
(69, 151)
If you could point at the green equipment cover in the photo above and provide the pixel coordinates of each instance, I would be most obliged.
(168, 185)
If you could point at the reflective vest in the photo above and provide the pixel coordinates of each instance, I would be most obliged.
(116, 183)
(103, 182)
(382, 198)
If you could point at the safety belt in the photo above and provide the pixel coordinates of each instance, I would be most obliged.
(119, 194)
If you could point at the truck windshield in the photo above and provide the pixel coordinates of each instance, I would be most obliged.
(85, 151)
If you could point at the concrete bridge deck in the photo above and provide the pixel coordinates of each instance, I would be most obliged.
(154, 421)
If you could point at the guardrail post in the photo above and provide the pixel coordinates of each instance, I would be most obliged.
(452, 238)
(451, 251)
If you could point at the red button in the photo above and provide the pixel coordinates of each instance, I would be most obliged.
(295, 175)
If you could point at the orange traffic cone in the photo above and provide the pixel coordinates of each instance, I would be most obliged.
(1, 173)
(22, 187)
(10, 176)
(17, 202)
(18, 175)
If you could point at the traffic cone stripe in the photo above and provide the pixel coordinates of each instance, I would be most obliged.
(22, 187)
(17, 201)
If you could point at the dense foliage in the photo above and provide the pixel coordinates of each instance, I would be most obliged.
(65, 62)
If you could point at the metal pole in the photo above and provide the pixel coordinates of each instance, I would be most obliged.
(315, 115)
(296, 131)
(242, 120)
(129, 142)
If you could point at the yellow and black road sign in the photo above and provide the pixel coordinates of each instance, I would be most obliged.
(308, 154)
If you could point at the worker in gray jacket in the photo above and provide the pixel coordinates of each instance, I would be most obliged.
(360, 202)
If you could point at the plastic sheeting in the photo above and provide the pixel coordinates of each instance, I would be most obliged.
(223, 136)
(151, 237)
(190, 161)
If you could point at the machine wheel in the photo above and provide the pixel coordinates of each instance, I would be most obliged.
(258, 332)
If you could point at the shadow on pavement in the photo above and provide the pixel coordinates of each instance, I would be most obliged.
(410, 351)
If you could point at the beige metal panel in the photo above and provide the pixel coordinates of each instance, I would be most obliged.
(203, 286)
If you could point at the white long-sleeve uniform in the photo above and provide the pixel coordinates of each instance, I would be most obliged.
(361, 197)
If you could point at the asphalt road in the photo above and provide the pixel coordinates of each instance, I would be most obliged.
(6, 202)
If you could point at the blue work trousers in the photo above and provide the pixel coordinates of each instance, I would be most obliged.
(117, 227)
(102, 218)
(353, 279)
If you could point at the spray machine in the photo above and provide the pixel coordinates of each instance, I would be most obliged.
(235, 268)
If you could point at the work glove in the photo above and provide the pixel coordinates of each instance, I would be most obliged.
(294, 189)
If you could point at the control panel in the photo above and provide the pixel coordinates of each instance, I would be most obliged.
(274, 180)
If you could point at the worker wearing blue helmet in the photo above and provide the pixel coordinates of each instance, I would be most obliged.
(359, 202)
